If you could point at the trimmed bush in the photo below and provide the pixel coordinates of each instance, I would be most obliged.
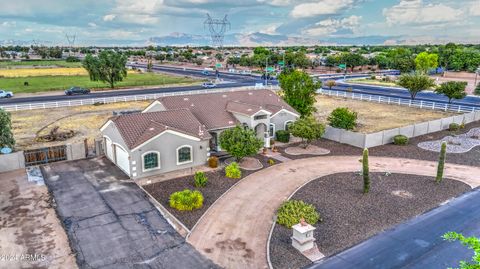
(282, 136)
(290, 213)
(271, 161)
(186, 200)
(400, 140)
(213, 162)
(453, 127)
(343, 118)
(201, 179)
(233, 171)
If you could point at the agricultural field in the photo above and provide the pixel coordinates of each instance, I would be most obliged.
(54, 83)
(375, 117)
(39, 72)
(40, 63)
(84, 121)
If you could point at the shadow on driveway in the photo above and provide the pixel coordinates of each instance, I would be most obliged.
(111, 223)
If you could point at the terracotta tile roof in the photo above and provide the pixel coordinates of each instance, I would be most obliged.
(242, 108)
(214, 109)
(136, 129)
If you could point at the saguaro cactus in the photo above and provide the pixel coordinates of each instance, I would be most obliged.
(441, 162)
(365, 172)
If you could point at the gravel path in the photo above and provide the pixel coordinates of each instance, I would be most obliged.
(309, 150)
(455, 144)
(350, 217)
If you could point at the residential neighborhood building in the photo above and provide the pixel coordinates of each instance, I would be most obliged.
(178, 132)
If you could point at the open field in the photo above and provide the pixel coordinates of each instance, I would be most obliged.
(373, 82)
(39, 72)
(375, 117)
(85, 121)
(53, 83)
(57, 63)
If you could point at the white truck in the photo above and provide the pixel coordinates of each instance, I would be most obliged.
(5, 94)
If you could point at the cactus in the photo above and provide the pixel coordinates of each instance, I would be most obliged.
(441, 162)
(365, 172)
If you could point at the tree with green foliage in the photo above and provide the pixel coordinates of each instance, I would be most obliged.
(452, 90)
(240, 142)
(6, 134)
(109, 67)
(365, 172)
(330, 84)
(308, 129)
(472, 243)
(352, 60)
(415, 83)
(441, 162)
(426, 61)
(343, 118)
(299, 91)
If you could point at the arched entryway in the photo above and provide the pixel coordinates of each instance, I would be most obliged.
(262, 133)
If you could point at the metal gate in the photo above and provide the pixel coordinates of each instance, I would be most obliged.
(45, 155)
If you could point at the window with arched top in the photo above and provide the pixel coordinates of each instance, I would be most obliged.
(184, 154)
(151, 160)
(287, 124)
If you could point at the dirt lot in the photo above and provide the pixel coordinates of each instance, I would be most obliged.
(350, 217)
(85, 121)
(375, 117)
(29, 226)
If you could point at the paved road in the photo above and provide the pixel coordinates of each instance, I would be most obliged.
(417, 244)
(110, 222)
(240, 240)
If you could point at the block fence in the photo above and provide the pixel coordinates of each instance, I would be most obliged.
(386, 137)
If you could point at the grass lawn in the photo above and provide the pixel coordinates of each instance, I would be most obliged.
(58, 63)
(53, 83)
(375, 117)
(373, 82)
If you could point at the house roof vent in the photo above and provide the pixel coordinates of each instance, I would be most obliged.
(185, 99)
(224, 96)
(250, 93)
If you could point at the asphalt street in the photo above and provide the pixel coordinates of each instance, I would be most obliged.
(418, 243)
(111, 223)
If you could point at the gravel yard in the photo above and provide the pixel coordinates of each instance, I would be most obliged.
(350, 217)
(217, 184)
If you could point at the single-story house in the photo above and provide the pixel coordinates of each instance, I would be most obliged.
(178, 132)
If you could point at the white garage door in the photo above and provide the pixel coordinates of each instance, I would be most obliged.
(121, 156)
(108, 148)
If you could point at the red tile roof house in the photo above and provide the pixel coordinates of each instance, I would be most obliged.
(178, 132)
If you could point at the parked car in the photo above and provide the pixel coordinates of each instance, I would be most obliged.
(76, 90)
(209, 85)
(5, 94)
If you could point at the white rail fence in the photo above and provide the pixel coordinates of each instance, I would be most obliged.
(401, 101)
(107, 100)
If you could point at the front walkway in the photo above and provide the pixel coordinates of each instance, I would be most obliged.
(234, 231)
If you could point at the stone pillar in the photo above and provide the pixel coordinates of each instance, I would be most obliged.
(303, 239)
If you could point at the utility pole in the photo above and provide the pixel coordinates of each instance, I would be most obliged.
(266, 67)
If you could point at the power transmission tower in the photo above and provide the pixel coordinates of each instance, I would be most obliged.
(71, 42)
(217, 29)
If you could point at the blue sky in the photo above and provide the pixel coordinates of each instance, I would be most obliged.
(118, 21)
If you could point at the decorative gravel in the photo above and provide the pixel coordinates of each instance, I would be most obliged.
(309, 150)
(247, 163)
(217, 184)
(455, 144)
(350, 217)
(335, 148)
(412, 151)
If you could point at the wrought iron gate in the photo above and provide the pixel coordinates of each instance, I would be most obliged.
(45, 155)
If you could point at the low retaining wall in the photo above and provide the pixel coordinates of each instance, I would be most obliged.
(386, 137)
(12, 161)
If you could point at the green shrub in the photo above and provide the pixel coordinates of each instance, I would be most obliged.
(213, 162)
(373, 77)
(477, 90)
(186, 200)
(290, 213)
(271, 161)
(282, 136)
(72, 59)
(233, 171)
(453, 127)
(201, 179)
(400, 140)
(343, 118)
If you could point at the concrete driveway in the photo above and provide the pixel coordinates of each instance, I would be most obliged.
(111, 223)
(234, 231)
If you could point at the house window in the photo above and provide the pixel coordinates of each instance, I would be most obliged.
(287, 124)
(151, 161)
(245, 126)
(184, 154)
(260, 117)
(271, 130)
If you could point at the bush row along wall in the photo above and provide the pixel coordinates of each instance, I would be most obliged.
(386, 137)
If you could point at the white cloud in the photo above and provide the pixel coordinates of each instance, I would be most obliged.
(9, 24)
(92, 24)
(416, 12)
(475, 8)
(322, 7)
(109, 17)
(330, 26)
